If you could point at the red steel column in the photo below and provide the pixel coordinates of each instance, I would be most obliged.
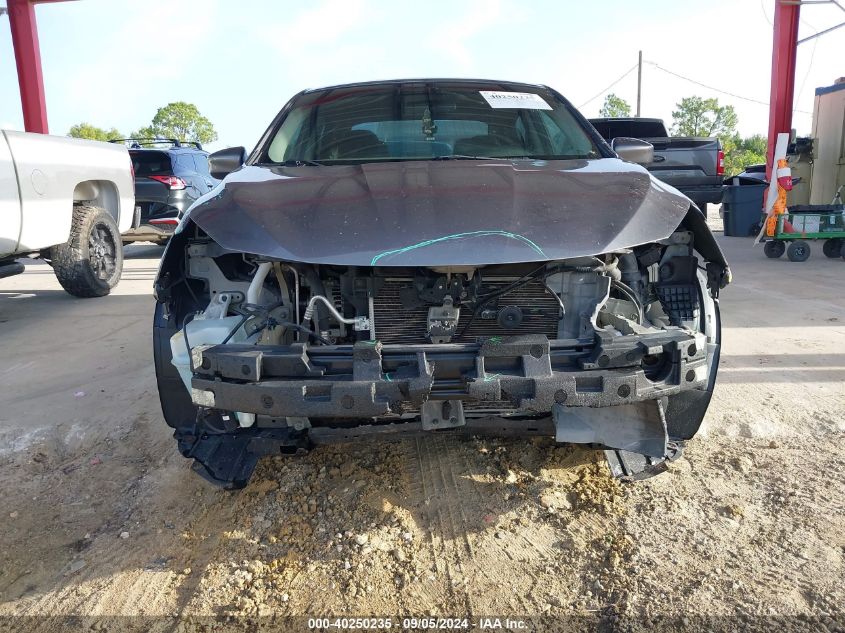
(28, 60)
(784, 52)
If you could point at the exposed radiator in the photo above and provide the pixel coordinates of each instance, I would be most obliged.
(396, 324)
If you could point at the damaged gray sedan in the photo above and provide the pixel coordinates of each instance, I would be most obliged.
(436, 256)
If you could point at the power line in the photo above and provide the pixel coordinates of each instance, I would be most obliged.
(763, 9)
(809, 68)
(725, 92)
(600, 93)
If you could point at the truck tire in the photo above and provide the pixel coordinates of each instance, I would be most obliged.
(89, 264)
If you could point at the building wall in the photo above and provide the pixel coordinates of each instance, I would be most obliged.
(829, 146)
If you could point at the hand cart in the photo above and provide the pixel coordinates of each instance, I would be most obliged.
(808, 222)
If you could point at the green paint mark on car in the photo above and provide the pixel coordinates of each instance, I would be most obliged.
(459, 236)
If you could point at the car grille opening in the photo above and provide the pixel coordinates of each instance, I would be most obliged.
(399, 325)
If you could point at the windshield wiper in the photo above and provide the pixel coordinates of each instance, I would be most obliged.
(302, 163)
(553, 157)
(463, 157)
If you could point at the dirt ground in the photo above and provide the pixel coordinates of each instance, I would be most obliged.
(102, 517)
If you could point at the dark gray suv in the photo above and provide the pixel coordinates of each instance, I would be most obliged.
(167, 181)
(436, 256)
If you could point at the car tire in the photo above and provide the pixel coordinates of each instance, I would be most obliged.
(798, 251)
(89, 264)
(833, 248)
(774, 249)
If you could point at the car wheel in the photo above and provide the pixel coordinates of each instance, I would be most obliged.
(90, 262)
(833, 248)
(798, 251)
(774, 249)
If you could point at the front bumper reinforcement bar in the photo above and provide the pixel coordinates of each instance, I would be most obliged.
(371, 380)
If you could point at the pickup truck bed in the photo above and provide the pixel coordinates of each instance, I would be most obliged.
(65, 200)
(693, 165)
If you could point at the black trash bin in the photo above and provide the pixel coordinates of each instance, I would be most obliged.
(742, 209)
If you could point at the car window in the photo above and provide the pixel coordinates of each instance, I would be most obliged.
(184, 163)
(423, 121)
(146, 163)
(201, 164)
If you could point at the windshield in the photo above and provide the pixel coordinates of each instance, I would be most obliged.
(418, 121)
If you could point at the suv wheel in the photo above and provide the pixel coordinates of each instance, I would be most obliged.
(90, 262)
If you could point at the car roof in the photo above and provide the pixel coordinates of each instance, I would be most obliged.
(393, 82)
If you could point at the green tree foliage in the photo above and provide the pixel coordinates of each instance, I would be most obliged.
(92, 132)
(614, 107)
(181, 121)
(741, 152)
(703, 117)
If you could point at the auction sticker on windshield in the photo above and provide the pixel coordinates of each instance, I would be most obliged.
(525, 100)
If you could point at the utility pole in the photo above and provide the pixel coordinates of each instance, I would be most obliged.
(639, 82)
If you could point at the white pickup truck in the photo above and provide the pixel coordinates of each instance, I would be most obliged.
(67, 201)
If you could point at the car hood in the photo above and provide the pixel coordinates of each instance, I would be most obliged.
(439, 213)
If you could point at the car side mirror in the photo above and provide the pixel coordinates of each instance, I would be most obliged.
(633, 150)
(225, 161)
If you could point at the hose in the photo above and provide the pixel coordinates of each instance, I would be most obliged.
(235, 329)
(188, 318)
(305, 330)
(253, 310)
(626, 290)
(280, 277)
(257, 283)
(309, 311)
(317, 288)
(610, 268)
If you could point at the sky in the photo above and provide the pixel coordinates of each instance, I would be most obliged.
(113, 63)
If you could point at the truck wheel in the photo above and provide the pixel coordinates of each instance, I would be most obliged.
(798, 251)
(90, 262)
(774, 249)
(833, 248)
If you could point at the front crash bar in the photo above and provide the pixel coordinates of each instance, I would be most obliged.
(370, 380)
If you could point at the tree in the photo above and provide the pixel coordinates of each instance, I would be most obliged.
(741, 152)
(703, 117)
(92, 132)
(181, 121)
(614, 107)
